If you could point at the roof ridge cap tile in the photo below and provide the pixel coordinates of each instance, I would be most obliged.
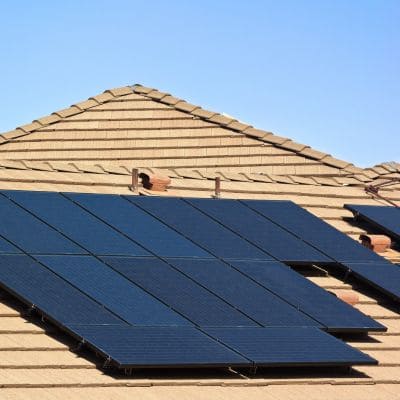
(57, 116)
(248, 130)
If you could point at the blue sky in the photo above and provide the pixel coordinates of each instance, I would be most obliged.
(324, 73)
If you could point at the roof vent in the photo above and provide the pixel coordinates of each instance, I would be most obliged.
(377, 243)
(155, 182)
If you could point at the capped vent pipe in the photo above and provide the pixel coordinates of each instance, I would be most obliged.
(135, 180)
(217, 188)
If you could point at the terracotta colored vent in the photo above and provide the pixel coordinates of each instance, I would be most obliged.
(155, 182)
(377, 243)
(347, 296)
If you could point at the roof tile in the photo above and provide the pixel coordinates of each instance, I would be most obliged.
(120, 91)
(200, 112)
(221, 119)
(141, 89)
(67, 112)
(294, 146)
(171, 100)
(334, 162)
(13, 134)
(184, 106)
(275, 139)
(62, 166)
(258, 133)
(238, 126)
(50, 119)
(30, 127)
(84, 105)
(309, 152)
(157, 95)
(103, 97)
(259, 178)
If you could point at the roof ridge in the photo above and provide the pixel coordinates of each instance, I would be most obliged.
(227, 122)
(57, 116)
(183, 173)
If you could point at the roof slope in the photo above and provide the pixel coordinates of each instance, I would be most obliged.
(139, 126)
(106, 130)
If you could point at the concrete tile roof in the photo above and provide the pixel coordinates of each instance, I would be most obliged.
(92, 147)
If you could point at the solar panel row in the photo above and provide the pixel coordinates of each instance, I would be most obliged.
(105, 263)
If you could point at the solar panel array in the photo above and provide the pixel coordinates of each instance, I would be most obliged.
(167, 282)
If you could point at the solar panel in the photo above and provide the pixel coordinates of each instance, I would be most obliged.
(269, 347)
(242, 293)
(157, 347)
(385, 218)
(178, 291)
(383, 276)
(30, 234)
(112, 290)
(311, 299)
(76, 223)
(138, 225)
(7, 248)
(201, 229)
(313, 230)
(36, 285)
(260, 231)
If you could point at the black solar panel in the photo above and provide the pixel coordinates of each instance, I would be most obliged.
(313, 230)
(30, 234)
(385, 218)
(260, 231)
(383, 276)
(181, 293)
(138, 225)
(242, 293)
(311, 299)
(201, 229)
(36, 285)
(112, 290)
(75, 223)
(157, 347)
(7, 248)
(289, 346)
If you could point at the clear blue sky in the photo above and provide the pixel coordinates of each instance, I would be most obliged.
(324, 72)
